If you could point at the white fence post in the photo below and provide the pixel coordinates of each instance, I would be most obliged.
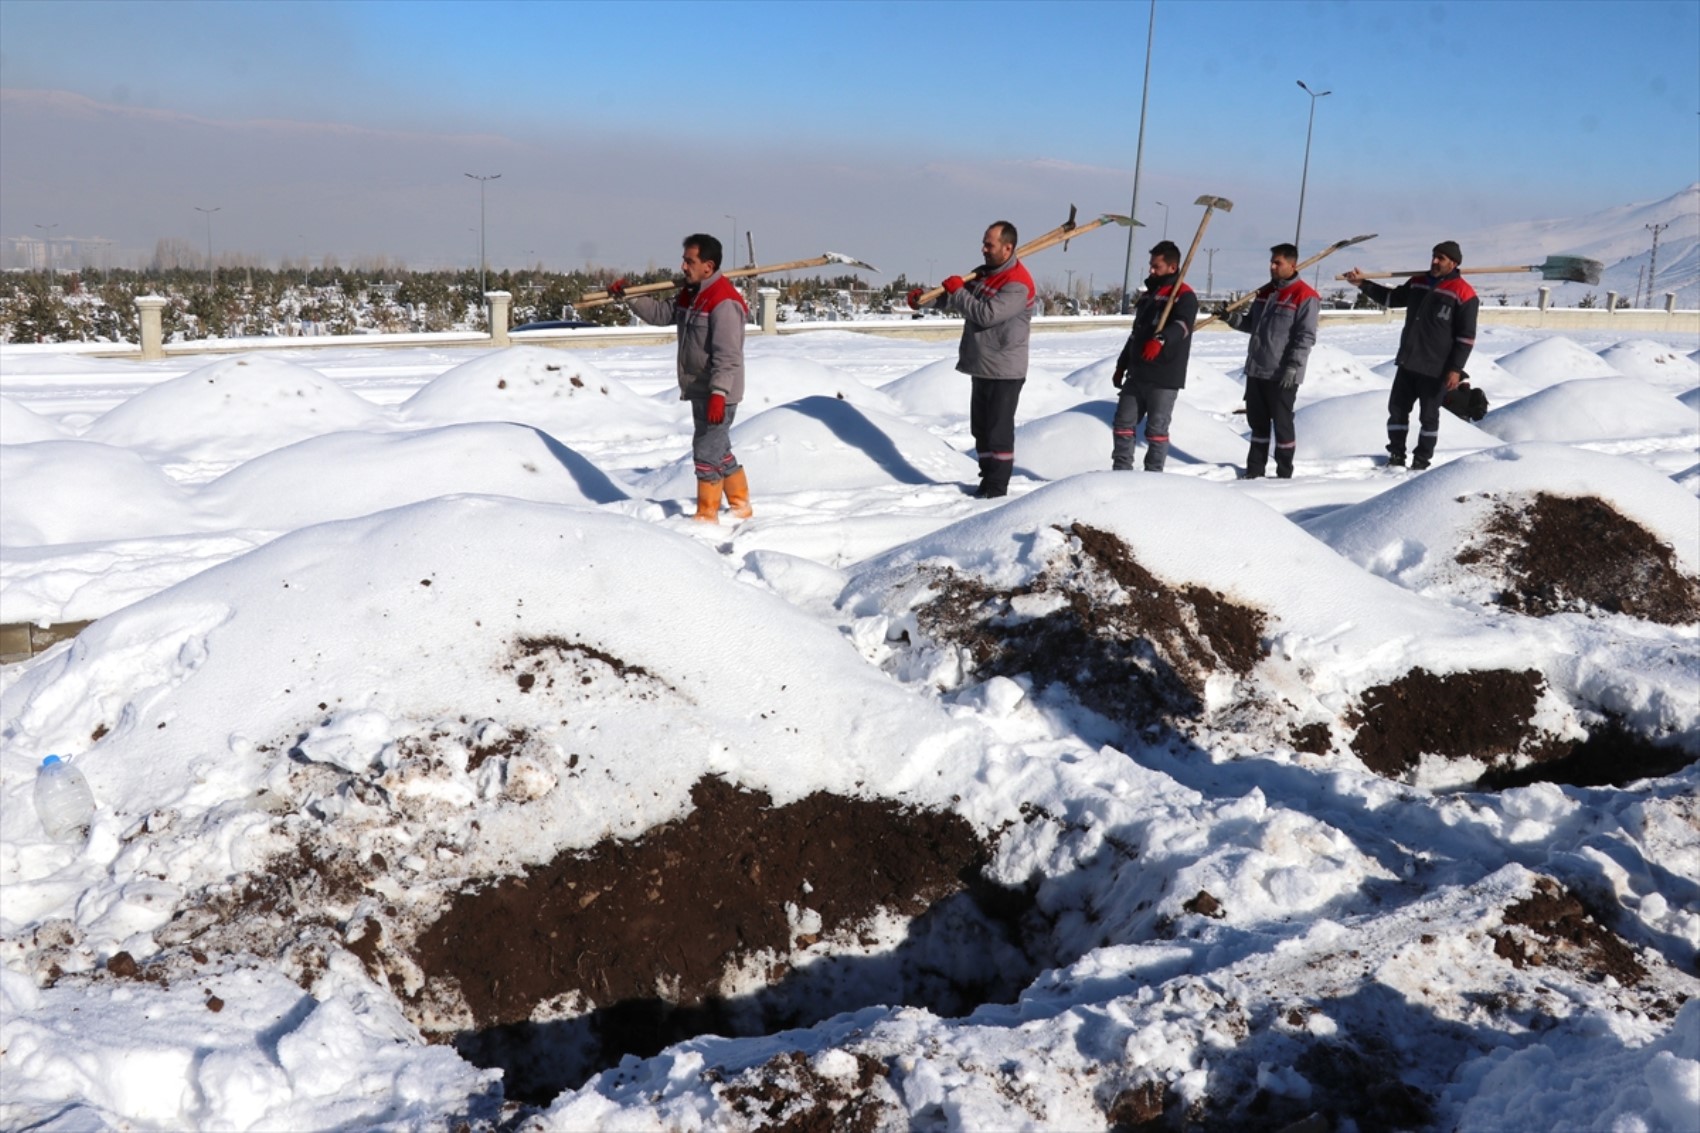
(153, 325)
(500, 302)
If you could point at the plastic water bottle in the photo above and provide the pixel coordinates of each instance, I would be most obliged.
(63, 800)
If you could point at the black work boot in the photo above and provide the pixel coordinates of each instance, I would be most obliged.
(1256, 459)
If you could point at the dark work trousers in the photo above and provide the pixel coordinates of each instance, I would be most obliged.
(1410, 388)
(711, 445)
(1154, 407)
(991, 418)
(1268, 403)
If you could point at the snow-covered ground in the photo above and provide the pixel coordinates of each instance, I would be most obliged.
(1271, 776)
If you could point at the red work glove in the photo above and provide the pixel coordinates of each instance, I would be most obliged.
(716, 408)
(1151, 349)
(915, 294)
(953, 284)
(617, 289)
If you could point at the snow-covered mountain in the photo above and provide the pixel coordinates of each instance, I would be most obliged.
(1618, 237)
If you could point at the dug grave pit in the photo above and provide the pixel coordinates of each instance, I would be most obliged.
(710, 923)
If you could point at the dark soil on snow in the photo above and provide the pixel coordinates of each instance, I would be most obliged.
(788, 1095)
(631, 941)
(1558, 554)
(1553, 928)
(1125, 643)
(1482, 715)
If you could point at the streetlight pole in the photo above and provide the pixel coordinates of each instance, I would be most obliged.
(1210, 272)
(1165, 209)
(1304, 179)
(47, 243)
(481, 181)
(212, 278)
(1138, 164)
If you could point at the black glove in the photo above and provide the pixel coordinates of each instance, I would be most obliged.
(1233, 317)
(1288, 376)
(617, 289)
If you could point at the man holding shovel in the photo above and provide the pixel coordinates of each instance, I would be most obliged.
(1440, 330)
(996, 304)
(1282, 324)
(1151, 371)
(710, 315)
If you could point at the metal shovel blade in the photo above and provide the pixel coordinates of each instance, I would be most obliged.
(849, 261)
(1572, 269)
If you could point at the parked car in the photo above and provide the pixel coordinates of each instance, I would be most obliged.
(552, 324)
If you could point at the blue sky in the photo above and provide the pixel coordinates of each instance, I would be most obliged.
(893, 131)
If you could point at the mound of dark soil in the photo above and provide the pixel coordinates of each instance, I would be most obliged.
(678, 906)
(1558, 554)
(1125, 643)
(629, 943)
(1553, 928)
(1480, 715)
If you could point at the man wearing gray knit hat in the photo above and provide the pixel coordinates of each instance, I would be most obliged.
(1440, 330)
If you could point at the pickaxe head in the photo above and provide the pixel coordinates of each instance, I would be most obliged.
(841, 258)
(1222, 203)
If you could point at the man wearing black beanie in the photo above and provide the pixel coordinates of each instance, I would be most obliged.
(1440, 330)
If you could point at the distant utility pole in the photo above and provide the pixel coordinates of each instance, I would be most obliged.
(1210, 272)
(212, 277)
(1653, 263)
(1304, 178)
(1640, 278)
(481, 181)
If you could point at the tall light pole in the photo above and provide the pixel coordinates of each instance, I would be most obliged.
(212, 279)
(47, 243)
(1210, 272)
(1165, 209)
(481, 181)
(1304, 179)
(1138, 164)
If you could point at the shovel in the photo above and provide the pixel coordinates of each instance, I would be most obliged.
(1061, 234)
(1565, 269)
(1252, 294)
(597, 298)
(1211, 204)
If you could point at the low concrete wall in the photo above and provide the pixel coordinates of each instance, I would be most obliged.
(20, 641)
(1598, 320)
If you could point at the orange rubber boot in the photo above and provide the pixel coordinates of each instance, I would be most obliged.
(738, 494)
(708, 502)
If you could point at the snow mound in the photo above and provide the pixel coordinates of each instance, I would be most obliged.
(48, 486)
(1556, 360)
(1410, 533)
(1652, 362)
(936, 392)
(775, 381)
(518, 715)
(350, 474)
(1333, 372)
(20, 425)
(1356, 425)
(1591, 409)
(1078, 440)
(825, 444)
(553, 390)
(1485, 374)
(1344, 629)
(231, 410)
